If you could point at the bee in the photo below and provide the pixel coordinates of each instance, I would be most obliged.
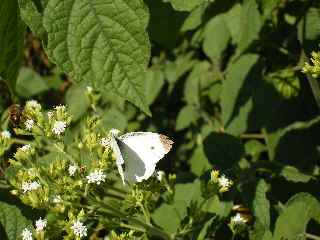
(244, 212)
(15, 114)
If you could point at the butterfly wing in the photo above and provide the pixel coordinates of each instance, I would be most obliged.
(119, 159)
(141, 151)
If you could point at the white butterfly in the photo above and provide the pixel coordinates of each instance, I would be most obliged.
(137, 153)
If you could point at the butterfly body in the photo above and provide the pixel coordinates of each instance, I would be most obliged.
(137, 153)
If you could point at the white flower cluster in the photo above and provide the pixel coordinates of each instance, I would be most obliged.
(237, 219)
(72, 169)
(25, 148)
(26, 234)
(30, 186)
(57, 199)
(60, 108)
(79, 229)
(33, 104)
(105, 142)
(96, 177)
(224, 183)
(6, 134)
(29, 124)
(59, 127)
(41, 224)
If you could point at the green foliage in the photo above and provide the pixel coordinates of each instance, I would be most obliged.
(230, 82)
(12, 221)
(11, 41)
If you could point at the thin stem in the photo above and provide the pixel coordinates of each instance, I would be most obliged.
(311, 236)
(145, 213)
(132, 227)
(20, 141)
(252, 136)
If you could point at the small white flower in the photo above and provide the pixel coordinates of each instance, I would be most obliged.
(59, 127)
(41, 224)
(57, 199)
(79, 229)
(96, 177)
(224, 182)
(105, 142)
(30, 186)
(72, 169)
(60, 108)
(160, 175)
(50, 114)
(25, 148)
(33, 104)
(29, 124)
(26, 234)
(237, 219)
(89, 89)
(6, 134)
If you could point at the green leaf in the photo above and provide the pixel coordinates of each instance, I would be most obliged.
(185, 5)
(309, 29)
(237, 73)
(32, 17)
(12, 221)
(293, 174)
(294, 145)
(113, 118)
(166, 217)
(299, 210)
(186, 117)
(199, 162)
(223, 150)
(194, 19)
(185, 194)
(104, 42)
(204, 230)
(154, 83)
(254, 148)
(261, 205)
(216, 206)
(216, 37)
(232, 20)
(30, 83)
(77, 102)
(11, 41)
(250, 23)
(193, 82)
(166, 31)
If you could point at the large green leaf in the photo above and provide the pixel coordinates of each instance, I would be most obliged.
(12, 221)
(292, 222)
(102, 41)
(11, 41)
(231, 103)
(216, 206)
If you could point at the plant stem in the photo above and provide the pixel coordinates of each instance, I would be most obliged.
(311, 236)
